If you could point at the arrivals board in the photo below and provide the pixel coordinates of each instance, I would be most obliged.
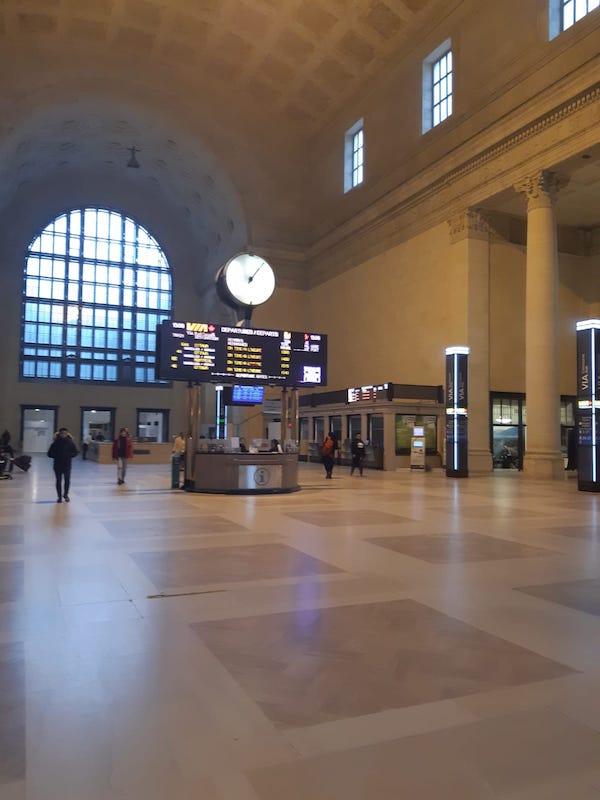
(204, 352)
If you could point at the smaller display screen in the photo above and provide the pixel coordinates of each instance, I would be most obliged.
(247, 395)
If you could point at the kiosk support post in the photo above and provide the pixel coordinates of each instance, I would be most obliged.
(284, 415)
(457, 402)
(193, 412)
(588, 405)
(295, 432)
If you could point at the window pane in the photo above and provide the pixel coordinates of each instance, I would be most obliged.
(99, 306)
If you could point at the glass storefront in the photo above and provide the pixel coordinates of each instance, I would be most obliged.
(509, 418)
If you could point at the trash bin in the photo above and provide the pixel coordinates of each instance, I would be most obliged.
(175, 464)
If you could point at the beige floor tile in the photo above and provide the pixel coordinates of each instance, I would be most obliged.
(446, 548)
(326, 666)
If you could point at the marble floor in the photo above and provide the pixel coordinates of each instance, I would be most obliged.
(399, 635)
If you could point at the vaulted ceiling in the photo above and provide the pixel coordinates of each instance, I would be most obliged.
(299, 58)
(220, 97)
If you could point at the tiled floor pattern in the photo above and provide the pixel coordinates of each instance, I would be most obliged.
(396, 636)
(440, 548)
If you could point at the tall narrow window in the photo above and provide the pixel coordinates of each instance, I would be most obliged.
(358, 157)
(563, 14)
(96, 285)
(354, 156)
(442, 88)
(574, 10)
(437, 86)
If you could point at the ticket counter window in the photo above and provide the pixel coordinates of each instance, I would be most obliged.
(98, 423)
(375, 424)
(303, 430)
(353, 426)
(152, 425)
(319, 429)
(335, 425)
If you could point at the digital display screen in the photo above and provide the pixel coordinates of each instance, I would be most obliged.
(247, 395)
(358, 393)
(204, 352)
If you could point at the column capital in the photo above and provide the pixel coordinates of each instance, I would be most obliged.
(468, 224)
(541, 189)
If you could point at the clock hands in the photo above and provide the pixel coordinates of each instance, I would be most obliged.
(251, 278)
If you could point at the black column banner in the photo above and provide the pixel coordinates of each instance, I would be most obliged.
(588, 409)
(457, 403)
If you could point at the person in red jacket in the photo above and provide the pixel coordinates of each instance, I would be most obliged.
(122, 451)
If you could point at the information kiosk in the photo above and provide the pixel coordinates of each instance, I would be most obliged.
(239, 359)
(417, 449)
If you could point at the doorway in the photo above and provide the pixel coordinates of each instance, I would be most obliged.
(38, 425)
(509, 427)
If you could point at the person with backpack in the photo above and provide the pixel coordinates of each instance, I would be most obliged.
(328, 453)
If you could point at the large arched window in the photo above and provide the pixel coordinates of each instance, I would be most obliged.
(96, 286)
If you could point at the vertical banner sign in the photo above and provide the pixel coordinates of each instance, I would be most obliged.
(588, 405)
(457, 404)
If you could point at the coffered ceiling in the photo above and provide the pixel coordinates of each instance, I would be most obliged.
(302, 58)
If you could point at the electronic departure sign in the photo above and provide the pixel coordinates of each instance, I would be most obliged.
(204, 352)
(371, 393)
(247, 395)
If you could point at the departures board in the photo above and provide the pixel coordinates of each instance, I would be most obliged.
(204, 352)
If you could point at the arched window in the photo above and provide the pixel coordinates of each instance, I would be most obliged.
(96, 286)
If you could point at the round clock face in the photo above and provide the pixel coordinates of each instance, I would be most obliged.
(248, 279)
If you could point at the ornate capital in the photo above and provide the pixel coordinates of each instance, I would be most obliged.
(541, 189)
(468, 224)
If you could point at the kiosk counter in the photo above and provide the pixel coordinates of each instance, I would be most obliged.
(244, 473)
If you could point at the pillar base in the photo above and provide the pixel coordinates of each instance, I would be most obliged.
(480, 461)
(544, 466)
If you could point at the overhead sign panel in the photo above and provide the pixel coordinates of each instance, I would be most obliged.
(205, 352)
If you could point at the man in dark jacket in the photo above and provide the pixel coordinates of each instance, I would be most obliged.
(358, 454)
(62, 450)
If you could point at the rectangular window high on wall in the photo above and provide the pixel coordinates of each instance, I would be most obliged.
(563, 14)
(354, 156)
(438, 86)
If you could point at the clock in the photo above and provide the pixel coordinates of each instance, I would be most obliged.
(245, 280)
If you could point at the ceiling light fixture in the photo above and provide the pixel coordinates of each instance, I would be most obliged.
(133, 162)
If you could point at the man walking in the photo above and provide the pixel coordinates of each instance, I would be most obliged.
(122, 451)
(62, 450)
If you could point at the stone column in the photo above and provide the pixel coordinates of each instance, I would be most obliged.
(470, 262)
(543, 458)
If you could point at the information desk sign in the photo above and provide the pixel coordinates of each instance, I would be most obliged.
(203, 352)
(588, 405)
(457, 403)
